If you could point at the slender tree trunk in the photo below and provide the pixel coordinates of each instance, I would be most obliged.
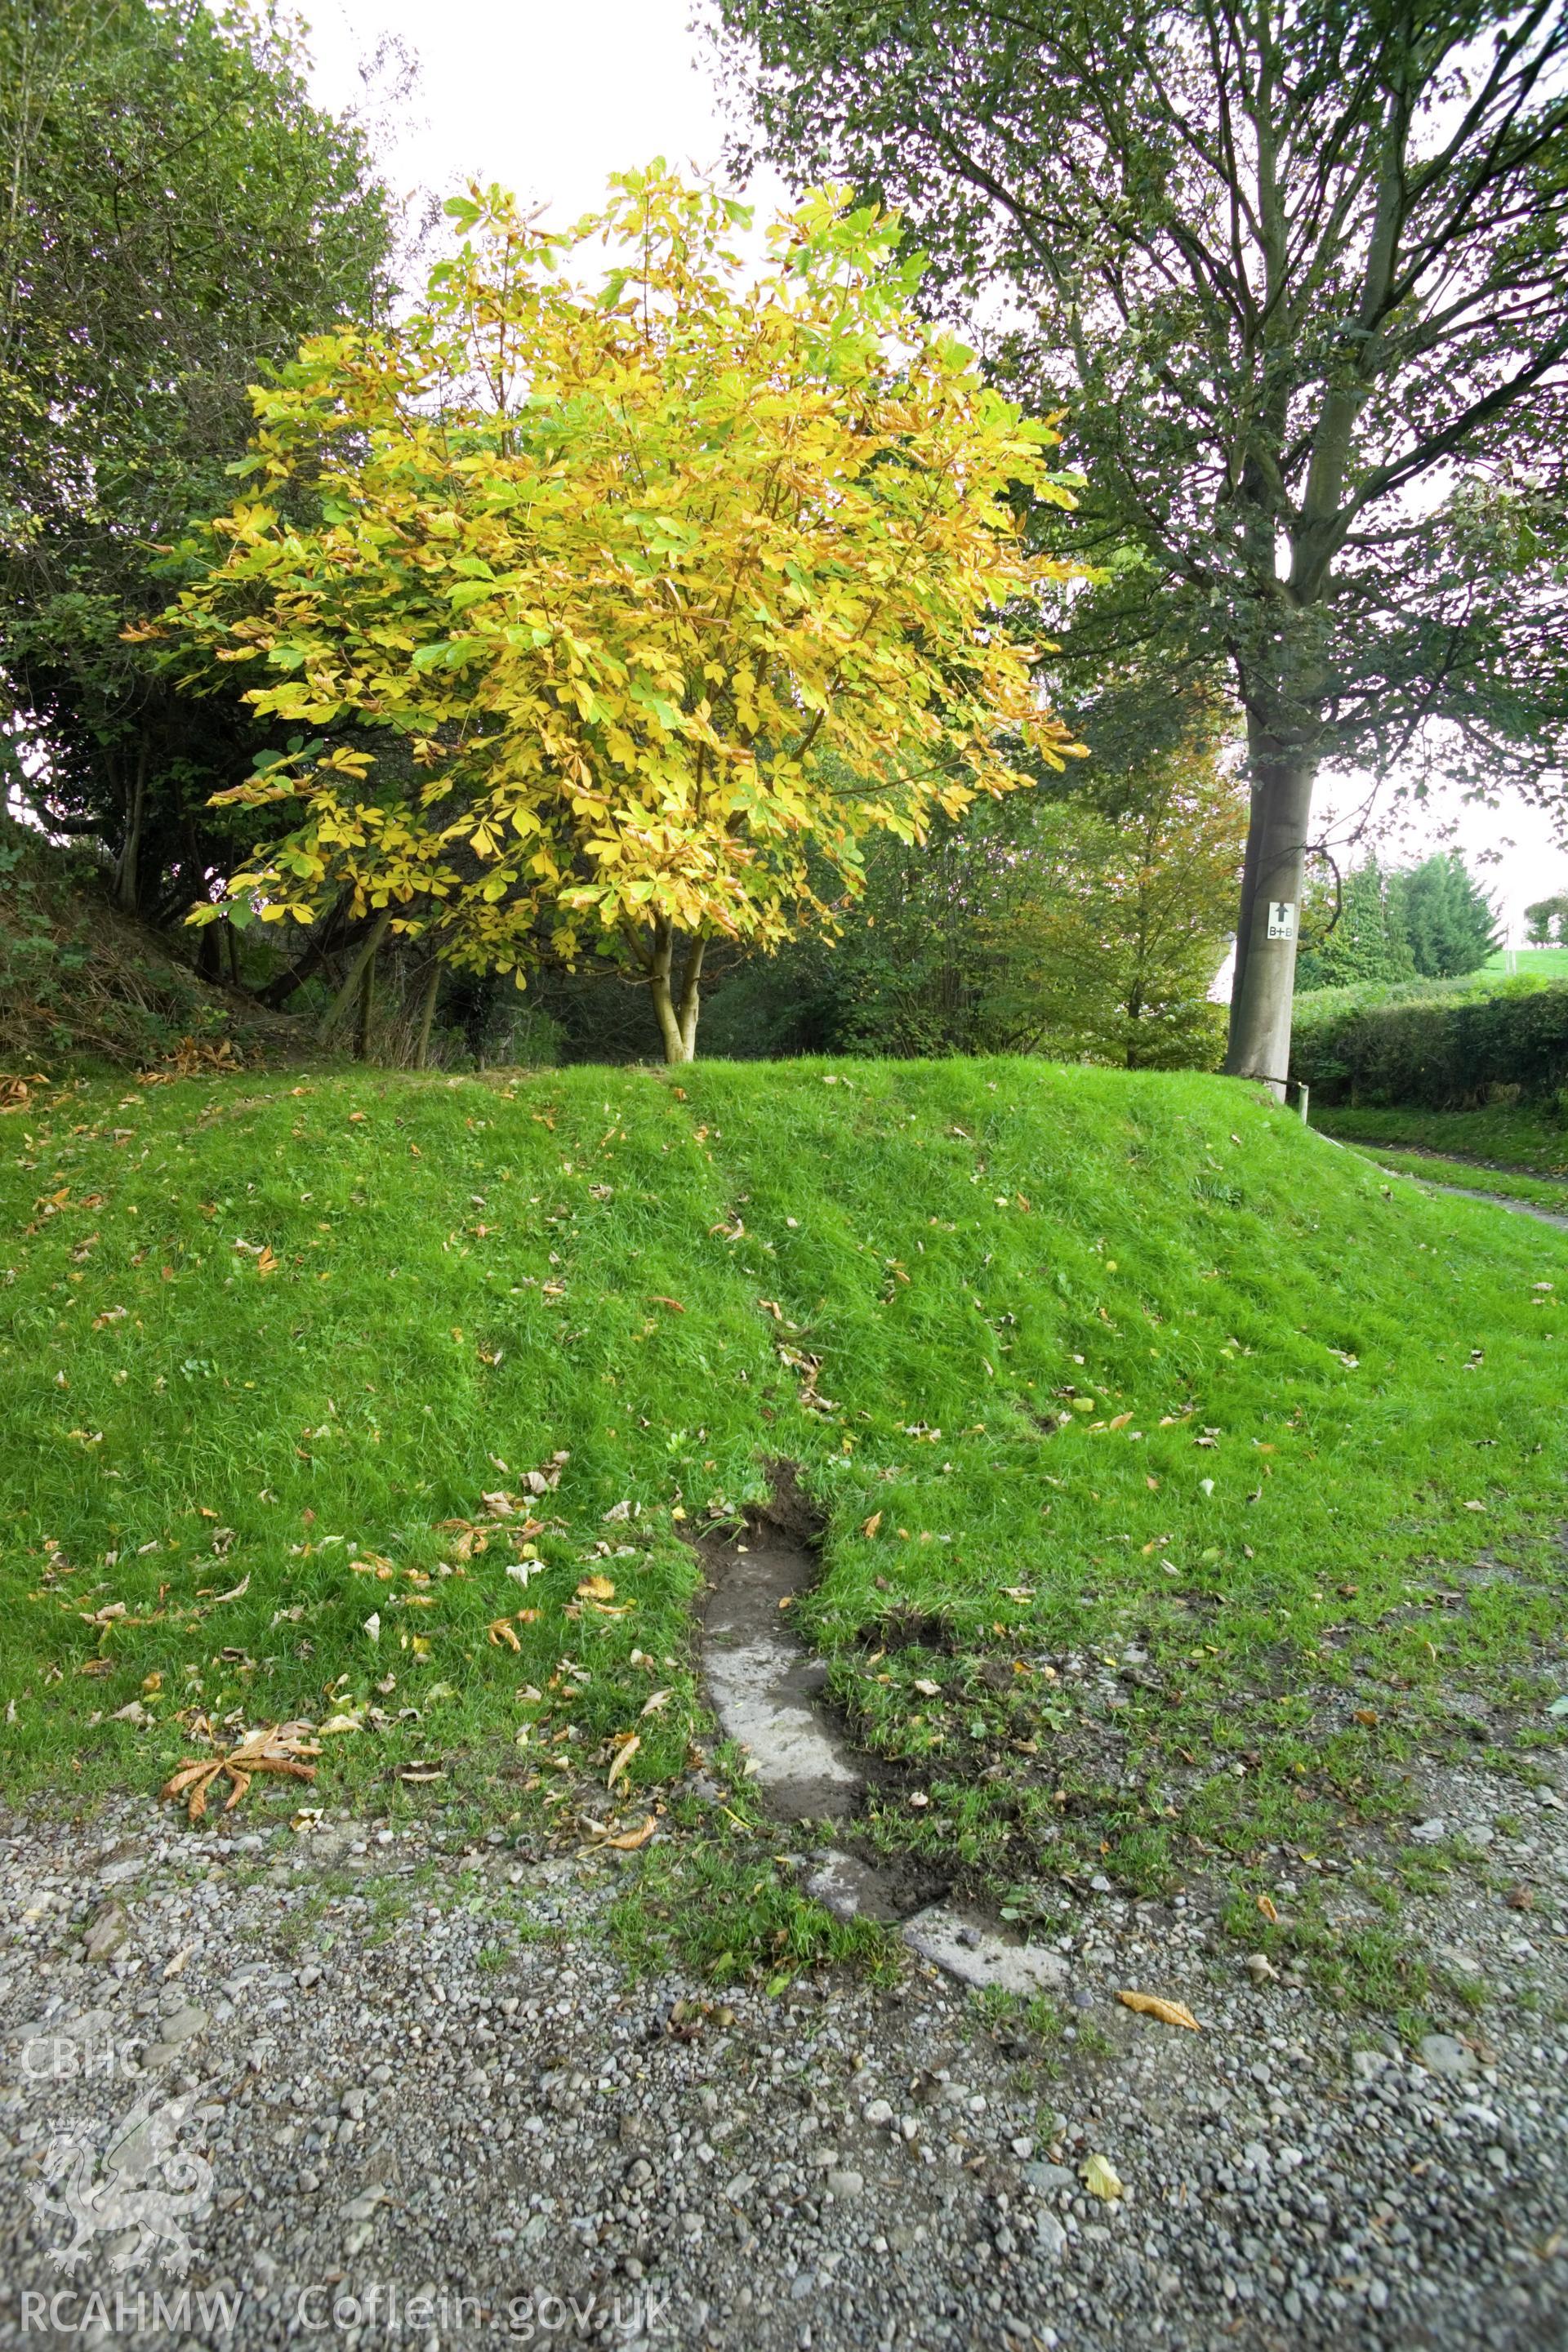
(676, 1022)
(1283, 777)
(364, 954)
(691, 1000)
(659, 989)
(427, 1015)
(365, 1008)
(231, 943)
(127, 878)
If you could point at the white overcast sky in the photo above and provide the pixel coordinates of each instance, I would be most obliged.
(549, 96)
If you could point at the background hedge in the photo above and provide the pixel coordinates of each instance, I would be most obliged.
(1446, 1050)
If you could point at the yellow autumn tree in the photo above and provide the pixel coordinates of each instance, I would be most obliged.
(620, 593)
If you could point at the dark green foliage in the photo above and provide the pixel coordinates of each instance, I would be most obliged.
(1328, 1006)
(1447, 918)
(1083, 920)
(1362, 938)
(178, 216)
(1433, 920)
(1446, 1055)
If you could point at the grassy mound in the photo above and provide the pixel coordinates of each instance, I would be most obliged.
(84, 987)
(1179, 1475)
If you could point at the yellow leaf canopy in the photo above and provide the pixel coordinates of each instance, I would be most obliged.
(605, 612)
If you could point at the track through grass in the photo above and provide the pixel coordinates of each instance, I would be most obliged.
(1526, 1139)
(1468, 1175)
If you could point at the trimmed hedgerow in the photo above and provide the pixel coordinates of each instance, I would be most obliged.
(1443, 1053)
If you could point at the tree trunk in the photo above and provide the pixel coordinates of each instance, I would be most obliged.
(1283, 777)
(365, 954)
(1248, 894)
(128, 874)
(365, 1007)
(231, 942)
(427, 1015)
(676, 1020)
(691, 1000)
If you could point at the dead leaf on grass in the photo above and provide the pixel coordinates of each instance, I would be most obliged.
(623, 1841)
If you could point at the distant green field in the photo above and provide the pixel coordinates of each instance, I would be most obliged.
(1537, 964)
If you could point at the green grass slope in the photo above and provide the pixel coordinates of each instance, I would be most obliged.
(1156, 1444)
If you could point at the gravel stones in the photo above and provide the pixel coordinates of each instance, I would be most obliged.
(471, 2099)
(1447, 2057)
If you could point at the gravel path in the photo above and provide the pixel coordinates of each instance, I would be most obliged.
(420, 2103)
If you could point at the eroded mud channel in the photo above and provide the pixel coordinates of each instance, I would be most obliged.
(769, 1694)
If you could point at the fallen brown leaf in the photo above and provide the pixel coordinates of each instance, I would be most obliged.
(274, 1748)
(629, 1841)
(1169, 2012)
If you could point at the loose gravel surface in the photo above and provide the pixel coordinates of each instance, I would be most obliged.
(388, 2090)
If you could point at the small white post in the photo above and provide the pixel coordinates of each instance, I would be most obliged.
(1303, 1096)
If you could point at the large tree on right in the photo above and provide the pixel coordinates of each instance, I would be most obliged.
(1296, 272)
